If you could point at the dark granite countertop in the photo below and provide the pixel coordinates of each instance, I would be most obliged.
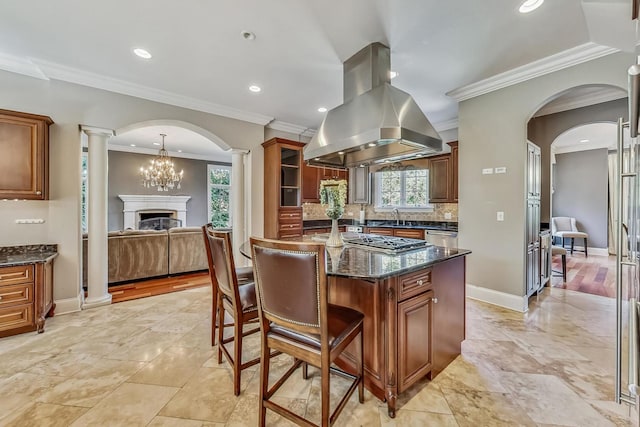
(424, 225)
(350, 261)
(27, 254)
(357, 262)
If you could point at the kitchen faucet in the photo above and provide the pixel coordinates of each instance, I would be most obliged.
(396, 214)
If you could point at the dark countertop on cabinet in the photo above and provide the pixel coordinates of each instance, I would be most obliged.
(357, 262)
(27, 254)
(422, 225)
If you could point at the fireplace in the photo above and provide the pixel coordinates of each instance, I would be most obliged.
(137, 207)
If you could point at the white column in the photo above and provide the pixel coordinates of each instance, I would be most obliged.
(237, 204)
(97, 257)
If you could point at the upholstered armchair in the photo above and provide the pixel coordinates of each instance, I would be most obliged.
(565, 227)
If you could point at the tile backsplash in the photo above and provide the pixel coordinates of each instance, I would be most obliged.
(312, 211)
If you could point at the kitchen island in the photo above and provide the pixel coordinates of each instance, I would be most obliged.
(414, 309)
(414, 312)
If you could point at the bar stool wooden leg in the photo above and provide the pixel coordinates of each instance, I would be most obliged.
(264, 382)
(220, 327)
(325, 391)
(237, 355)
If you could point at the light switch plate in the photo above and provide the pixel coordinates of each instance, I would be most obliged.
(500, 216)
(501, 169)
(487, 171)
(30, 221)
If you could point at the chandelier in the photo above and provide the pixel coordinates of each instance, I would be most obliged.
(161, 173)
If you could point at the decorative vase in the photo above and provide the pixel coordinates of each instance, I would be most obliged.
(335, 238)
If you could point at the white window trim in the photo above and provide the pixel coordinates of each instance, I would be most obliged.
(210, 186)
(377, 207)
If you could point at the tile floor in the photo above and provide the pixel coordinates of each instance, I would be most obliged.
(149, 362)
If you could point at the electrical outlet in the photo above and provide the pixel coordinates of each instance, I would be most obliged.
(349, 213)
(487, 171)
(447, 215)
(500, 216)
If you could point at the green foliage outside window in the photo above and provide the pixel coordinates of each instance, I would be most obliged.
(403, 188)
(219, 197)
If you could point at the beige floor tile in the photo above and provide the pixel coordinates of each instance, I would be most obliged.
(13, 404)
(207, 396)
(418, 419)
(547, 399)
(145, 346)
(172, 368)
(46, 415)
(63, 364)
(424, 396)
(89, 386)
(473, 408)
(463, 374)
(128, 405)
(28, 384)
(619, 415)
(160, 421)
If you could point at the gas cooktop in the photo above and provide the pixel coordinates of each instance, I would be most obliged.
(387, 244)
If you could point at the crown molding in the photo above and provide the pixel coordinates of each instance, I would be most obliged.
(224, 157)
(291, 128)
(46, 70)
(603, 95)
(21, 65)
(559, 61)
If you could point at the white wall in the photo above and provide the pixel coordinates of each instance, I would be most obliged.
(492, 132)
(70, 105)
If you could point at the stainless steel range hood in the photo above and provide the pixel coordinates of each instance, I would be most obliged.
(376, 122)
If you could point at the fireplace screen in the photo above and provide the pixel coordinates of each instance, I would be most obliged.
(159, 223)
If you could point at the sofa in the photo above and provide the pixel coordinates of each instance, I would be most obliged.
(140, 254)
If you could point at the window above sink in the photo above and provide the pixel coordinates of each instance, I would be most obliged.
(404, 190)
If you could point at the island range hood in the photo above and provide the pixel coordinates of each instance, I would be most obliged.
(376, 122)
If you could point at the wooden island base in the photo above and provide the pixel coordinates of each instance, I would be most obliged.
(414, 324)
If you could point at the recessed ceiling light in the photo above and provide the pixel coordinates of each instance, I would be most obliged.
(363, 165)
(322, 109)
(142, 53)
(254, 88)
(341, 152)
(133, 145)
(584, 140)
(156, 143)
(179, 151)
(372, 144)
(393, 74)
(248, 35)
(530, 5)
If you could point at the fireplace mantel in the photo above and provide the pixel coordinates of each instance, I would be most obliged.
(135, 203)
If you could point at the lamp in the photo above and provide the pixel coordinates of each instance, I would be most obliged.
(161, 173)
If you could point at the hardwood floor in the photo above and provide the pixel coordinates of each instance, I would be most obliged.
(593, 275)
(159, 286)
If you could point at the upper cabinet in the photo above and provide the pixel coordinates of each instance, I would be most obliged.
(311, 177)
(443, 176)
(282, 188)
(360, 185)
(24, 164)
(533, 171)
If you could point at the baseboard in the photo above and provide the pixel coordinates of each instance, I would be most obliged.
(502, 299)
(68, 305)
(592, 251)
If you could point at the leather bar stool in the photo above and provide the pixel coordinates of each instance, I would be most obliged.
(239, 300)
(296, 318)
(244, 275)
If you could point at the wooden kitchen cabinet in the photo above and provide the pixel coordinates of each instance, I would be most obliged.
(311, 177)
(454, 164)
(448, 329)
(26, 297)
(414, 339)
(443, 176)
(282, 188)
(24, 164)
(411, 233)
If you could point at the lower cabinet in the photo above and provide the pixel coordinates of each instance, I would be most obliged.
(412, 233)
(415, 319)
(26, 297)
